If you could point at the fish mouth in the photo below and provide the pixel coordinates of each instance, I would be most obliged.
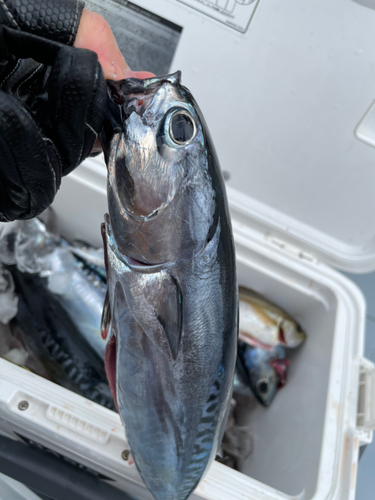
(121, 90)
(110, 365)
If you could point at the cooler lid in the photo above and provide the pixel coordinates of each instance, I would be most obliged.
(286, 89)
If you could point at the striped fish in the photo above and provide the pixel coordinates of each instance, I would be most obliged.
(172, 306)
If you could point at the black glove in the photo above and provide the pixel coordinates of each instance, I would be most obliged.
(52, 102)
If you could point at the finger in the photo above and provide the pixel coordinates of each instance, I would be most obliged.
(29, 165)
(76, 105)
(143, 74)
(95, 34)
(27, 45)
(97, 147)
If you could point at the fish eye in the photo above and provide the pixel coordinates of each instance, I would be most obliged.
(262, 385)
(299, 329)
(182, 128)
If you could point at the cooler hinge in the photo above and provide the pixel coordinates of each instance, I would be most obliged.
(366, 402)
(291, 249)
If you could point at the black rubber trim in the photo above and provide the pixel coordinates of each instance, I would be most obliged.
(52, 477)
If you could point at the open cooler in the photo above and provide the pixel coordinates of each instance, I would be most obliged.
(286, 89)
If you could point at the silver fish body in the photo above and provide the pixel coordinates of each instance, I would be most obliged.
(83, 300)
(172, 294)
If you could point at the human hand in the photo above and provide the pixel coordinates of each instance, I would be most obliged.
(52, 97)
(95, 34)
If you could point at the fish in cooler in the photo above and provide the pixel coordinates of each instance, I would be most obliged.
(49, 335)
(74, 274)
(263, 370)
(264, 324)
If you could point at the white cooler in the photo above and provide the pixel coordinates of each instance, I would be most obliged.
(286, 88)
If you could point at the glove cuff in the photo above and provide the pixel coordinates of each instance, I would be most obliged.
(53, 19)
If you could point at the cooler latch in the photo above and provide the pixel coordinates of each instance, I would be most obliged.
(291, 249)
(366, 402)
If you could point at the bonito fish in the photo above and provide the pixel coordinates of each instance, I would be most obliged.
(172, 306)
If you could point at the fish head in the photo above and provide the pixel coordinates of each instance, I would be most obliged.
(291, 333)
(154, 154)
(260, 374)
(264, 382)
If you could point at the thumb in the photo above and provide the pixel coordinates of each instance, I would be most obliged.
(94, 33)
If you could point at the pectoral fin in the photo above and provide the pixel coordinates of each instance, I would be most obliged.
(157, 308)
(169, 314)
